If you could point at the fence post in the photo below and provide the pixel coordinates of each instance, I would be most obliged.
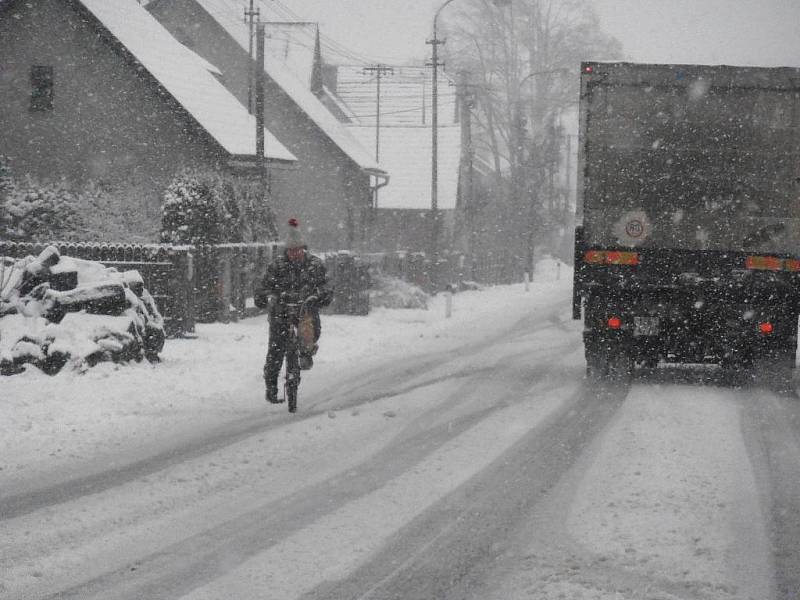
(224, 285)
(190, 287)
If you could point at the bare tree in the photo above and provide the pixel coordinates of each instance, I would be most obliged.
(524, 64)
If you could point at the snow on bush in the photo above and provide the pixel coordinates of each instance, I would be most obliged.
(391, 292)
(116, 213)
(35, 210)
(31, 210)
(210, 208)
(58, 310)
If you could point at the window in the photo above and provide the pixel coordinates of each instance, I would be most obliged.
(41, 88)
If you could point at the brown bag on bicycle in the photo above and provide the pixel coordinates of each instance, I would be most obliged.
(306, 333)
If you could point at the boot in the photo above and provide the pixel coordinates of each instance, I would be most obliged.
(305, 361)
(272, 394)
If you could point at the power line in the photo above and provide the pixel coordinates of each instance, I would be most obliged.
(324, 40)
(379, 70)
(332, 44)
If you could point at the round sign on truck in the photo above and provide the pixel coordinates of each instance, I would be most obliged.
(632, 228)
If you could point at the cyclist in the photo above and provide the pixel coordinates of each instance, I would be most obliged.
(293, 276)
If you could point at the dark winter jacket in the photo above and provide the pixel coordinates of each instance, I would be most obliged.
(289, 281)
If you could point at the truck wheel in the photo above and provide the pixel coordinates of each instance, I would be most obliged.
(777, 375)
(736, 374)
(596, 365)
(620, 367)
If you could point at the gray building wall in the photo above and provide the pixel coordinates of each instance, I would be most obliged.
(109, 124)
(326, 190)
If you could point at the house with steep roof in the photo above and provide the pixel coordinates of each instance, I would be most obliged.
(98, 91)
(331, 188)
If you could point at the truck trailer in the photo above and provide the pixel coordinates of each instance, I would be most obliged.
(687, 243)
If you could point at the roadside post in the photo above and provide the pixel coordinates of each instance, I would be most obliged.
(448, 303)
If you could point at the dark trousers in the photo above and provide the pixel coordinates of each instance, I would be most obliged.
(276, 351)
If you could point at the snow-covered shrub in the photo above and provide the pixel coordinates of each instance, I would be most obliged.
(116, 214)
(32, 210)
(257, 220)
(58, 310)
(6, 182)
(210, 208)
(391, 292)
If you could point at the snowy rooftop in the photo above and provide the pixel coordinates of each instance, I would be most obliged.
(186, 76)
(406, 153)
(295, 83)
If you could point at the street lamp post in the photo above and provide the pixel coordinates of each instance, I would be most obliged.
(520, 141)
(435, 64)
(435, 42)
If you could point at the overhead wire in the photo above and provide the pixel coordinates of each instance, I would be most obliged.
(231, 16)
(294, 35)
(331, 44)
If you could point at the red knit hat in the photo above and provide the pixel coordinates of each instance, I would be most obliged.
(293, 237)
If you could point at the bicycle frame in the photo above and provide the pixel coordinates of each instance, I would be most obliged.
(293, 311)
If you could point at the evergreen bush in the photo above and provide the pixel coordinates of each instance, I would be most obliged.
(36, 211)
(211, 208)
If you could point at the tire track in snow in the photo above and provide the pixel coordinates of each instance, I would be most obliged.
(772, 430)
(664, 504)
(449, 549)
(381, 383)
(177, 569)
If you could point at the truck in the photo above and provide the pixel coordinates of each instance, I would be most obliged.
(687, 237)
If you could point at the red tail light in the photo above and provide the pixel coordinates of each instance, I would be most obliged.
(766, 328)
(764, 263)
(792, 264)
(610, 257)
(614, 322)
(595, 257)
(622, 258)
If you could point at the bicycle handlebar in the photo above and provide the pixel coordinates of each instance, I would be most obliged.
(284, 301)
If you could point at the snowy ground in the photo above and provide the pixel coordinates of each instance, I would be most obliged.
(57, 424)
(664, 503)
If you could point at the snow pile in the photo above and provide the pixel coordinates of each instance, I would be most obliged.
(550, 268)
(391, 292)
(55, 310)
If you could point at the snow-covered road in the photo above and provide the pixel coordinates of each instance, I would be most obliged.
(431, 458)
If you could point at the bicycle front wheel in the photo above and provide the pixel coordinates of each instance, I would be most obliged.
(291, 397)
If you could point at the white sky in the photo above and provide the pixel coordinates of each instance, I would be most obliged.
(753, 32)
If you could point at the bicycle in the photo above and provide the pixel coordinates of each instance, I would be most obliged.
(294, 312)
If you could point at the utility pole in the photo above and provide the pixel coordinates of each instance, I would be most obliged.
(435, 42)
(379, 71)
(249, 16)
(259, 106)
(466, 98)
(423, 99)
